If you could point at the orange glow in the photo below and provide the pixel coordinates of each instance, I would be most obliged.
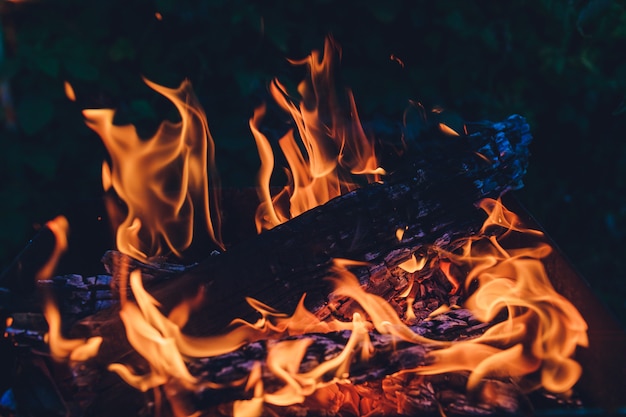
(413, 265)
(393, 57)
(325, 152)
(62, 348)
(69, 91)
(448, 130)
(534, 345)
(542, 329)
(59, 227)
(163, 179)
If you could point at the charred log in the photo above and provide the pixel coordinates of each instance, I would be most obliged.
(431, 196)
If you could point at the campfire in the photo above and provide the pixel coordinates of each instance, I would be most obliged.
(381, 275)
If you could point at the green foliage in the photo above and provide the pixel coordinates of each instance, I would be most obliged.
(560, 63)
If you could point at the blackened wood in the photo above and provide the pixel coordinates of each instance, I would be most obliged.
(431, 197)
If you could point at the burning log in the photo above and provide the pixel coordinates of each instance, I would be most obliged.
(430, 199)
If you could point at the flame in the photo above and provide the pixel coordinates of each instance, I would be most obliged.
(159, 340)
(328, 151)
(60, 347)
(59, 226)
(534, 344)
(542, 329)
(69, 91)
(161, 179)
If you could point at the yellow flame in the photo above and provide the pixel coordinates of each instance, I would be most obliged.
(60, 227)
(330, 147)
(542, 329)
(163, 179)
(60, 347)
(413, 265)
(534, 344)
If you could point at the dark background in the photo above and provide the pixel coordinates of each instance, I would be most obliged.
(561, 64)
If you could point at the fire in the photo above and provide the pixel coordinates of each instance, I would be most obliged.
(59, 226)
(533, 345)
(162, 179)
(60, 347)
(532, 335)
(326, 152)
(542, 329)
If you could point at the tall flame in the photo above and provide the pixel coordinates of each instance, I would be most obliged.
(60, 347)
(328, 151)
(162, 179)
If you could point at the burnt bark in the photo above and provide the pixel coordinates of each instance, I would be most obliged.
(431, 196)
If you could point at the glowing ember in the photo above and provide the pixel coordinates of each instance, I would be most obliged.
(163, 179)
(534, 343)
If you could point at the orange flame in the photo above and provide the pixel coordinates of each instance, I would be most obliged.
(60, 347)
(330, 148)
(542, 328)
(69, 91)
(59, 226)
(538, 337)
(160, 179)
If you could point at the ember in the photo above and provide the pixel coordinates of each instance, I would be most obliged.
(403, 299)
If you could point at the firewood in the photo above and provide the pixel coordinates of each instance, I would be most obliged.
(370, 379)
(429, 196)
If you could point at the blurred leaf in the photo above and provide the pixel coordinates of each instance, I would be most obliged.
(489, 38)
(143, 109)
(591, 13)
(248, 81)
(165, 6)
(82, 70)
(43, 163)
(34, 113)
(121, 49)
(48, 65)
(384, 11)
(277, 33)
(9, 68)
(621, 108)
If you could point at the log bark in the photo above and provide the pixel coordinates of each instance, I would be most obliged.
(431, 195)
